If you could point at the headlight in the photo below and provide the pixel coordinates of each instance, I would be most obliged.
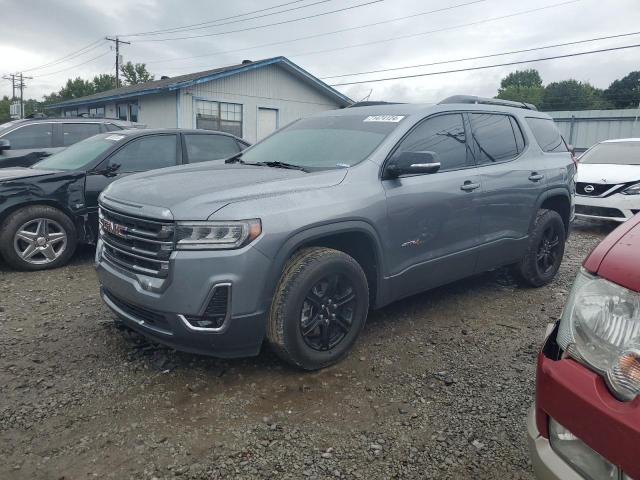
(216, 235)
(632, 190)
(600, 327)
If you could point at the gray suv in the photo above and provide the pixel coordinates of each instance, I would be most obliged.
(296, 238)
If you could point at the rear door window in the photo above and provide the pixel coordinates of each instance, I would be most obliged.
(202, 148)
(146, 153)
(547, 134)
(39, 135)
(493, 138)
(74, 132)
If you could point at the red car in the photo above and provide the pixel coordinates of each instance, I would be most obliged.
(586, 420)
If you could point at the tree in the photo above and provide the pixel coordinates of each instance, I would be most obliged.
(135, 73)
(625, 92)
(572, 95)
(522, 86)
(103, 82)
(4, 109)
(521, 78)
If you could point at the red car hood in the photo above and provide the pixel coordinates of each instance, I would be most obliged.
(617, 257)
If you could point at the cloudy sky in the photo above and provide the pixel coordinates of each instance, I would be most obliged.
(39, 32)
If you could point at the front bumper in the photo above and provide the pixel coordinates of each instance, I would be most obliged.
(579, 399)
(547, 464)
(159, 312)
(617, 207)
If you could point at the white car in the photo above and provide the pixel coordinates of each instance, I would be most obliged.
(608, 181)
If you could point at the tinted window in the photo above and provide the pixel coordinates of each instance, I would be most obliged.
(31, 136)
(547, 135)
(617, 153)
(146, 153)
(111, 127)
(201, 148)
(493, 137)
(518, 133)
(443, 135)
(74, 132)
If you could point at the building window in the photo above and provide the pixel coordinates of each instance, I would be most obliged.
(133, 112)
(122, 111)
(71, 113)
(220, 116)
(96, 112)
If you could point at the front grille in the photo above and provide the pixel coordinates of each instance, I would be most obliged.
(139, 245)
(599, 211)
(598, 189)
(148, 316)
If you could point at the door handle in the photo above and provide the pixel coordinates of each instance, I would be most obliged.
(469, 186)
(536, 177)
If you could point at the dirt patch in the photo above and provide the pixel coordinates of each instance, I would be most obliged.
(438, 386)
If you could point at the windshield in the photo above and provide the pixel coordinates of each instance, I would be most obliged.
(320, 143)
(80, 154)
(616, 153)
(5, 126)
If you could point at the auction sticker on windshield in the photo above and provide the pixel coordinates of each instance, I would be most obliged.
(115, 138)
(384, 118)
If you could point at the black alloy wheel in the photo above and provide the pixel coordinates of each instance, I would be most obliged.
(327, 312)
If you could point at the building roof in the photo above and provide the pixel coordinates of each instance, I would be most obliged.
(182, 81)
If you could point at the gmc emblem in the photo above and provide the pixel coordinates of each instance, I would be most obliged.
(113, 228)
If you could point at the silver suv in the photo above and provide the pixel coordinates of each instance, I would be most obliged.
(295, 239)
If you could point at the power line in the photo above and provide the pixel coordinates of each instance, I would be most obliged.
(468, 69)
(117, 41)
(484, 56)
(268, 24)
(74, 66)
(428, 32)
(202, 25)
(69, 56)
(415, 15)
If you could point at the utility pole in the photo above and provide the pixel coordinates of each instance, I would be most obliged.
(117, 42)
(12, 78)
(22, 85)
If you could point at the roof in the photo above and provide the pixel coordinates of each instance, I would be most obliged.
(182, 81)
(152, 131)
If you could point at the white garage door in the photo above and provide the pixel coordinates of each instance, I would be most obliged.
(267, 121)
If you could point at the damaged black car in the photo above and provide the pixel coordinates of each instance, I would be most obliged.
(46, 210)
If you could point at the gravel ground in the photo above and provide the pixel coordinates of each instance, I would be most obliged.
(438, 386)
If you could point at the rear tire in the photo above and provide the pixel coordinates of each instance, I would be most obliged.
(37, 238)
(545, 250)
(319, 308)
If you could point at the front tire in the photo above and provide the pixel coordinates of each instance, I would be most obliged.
(319, 308)
(37, 238)
(545, 250)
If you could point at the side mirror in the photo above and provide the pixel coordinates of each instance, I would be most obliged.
(408, 163)
(108, 171)
(4, 145)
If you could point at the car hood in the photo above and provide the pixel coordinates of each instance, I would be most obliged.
(607, 173)
(196, 192)
(616, 257)
(19, 172)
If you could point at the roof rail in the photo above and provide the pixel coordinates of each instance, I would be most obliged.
(369, 103)
(487, 101)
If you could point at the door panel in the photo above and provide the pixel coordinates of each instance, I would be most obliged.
(433, 219)
(267, 121)
(509, 195)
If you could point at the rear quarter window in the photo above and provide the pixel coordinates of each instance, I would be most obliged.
(547, 135)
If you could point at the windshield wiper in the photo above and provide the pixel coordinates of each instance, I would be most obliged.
(235, 159)
(283, 165)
